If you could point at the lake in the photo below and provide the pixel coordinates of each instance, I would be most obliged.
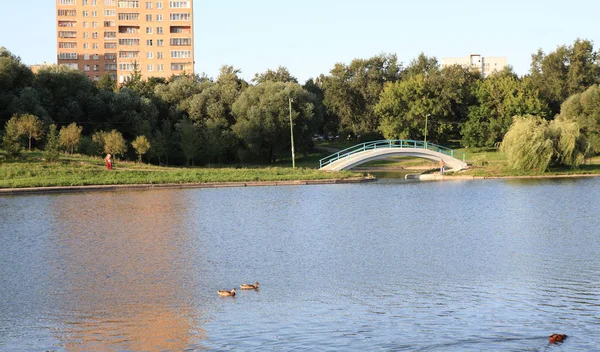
(389, 265)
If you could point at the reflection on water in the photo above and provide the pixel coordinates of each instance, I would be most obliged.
(390, 265)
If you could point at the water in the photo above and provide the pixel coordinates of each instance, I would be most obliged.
(391, 265)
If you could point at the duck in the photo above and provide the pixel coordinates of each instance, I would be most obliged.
(555, 338)
(249, 286)
(227, 293)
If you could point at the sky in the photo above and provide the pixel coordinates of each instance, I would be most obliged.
(310, 36)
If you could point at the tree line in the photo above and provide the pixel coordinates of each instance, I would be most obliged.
(197, 120)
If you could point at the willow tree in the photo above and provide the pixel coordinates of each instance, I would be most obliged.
(533, 143)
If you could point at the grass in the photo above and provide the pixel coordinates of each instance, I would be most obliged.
(78, 170)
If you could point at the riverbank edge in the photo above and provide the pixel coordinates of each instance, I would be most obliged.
(142, 187)
(437, 177)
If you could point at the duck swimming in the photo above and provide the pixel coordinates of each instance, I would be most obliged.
(555, 338)
(227, 293)
(249, 286)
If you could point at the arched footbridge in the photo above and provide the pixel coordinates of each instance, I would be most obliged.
(369, 151)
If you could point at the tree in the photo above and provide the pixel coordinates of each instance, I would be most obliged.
(500, 97)
(141, 146)
(10, 139)
(568, 70)
(263, 119)
(106, 83)
(189, 140)
(533, 143)
(31, 127)
(352, 91)
(114, 143)
(70, 136)
(280, 75)
(584, 109)
(52, 144)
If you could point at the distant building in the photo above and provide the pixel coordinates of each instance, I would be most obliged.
(117, 37)
(38, 67)
(485, 65)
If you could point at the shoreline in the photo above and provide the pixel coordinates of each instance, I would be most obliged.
(143, 187)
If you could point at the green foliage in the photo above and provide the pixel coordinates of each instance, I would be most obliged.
(141, 146)
(584, 109)
(533, 143)
(109, 142)
(569, 70)
(31, 127)
(352, 91)
(51, 151)
(70, 136)
(501, 97)
(263, 119)
(189, 140)
(280, 75)
(529, 144)
(10, 139)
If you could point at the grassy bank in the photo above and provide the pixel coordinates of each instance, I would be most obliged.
(33, 171)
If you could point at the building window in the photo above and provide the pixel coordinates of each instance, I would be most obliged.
(159, 42)
(86, 67)
(149, 42)
(129, 42)
(159, 18)
(150, 55)
(181, 41)
(110, 67)
(177, 67)
(109, 3)
(72, 66)
(128, 54)
(179, 4)
(110, 12)
(85, 14)
(94, 24)
(148, 30)
(160, 67)
(159, 4)
(110, 35)
(110, 56)
(180, 16)
(86, 45)
(94, 35)
(110, 23)
(67, 23)
(67, 45)
(148, 18)
(129, 16)
(94, 13)
(67, 56)
(148, 5)
(129, 4)
(176, 54)
(96, 57)
(96, 67)
(86, 56)
(67, 34)
(67, 2)
(150, 67)
(84, 2)
(159, 55)
(86, 35)
(69, 13)
(159, 30)
(110, 45)
(95, 46)
(86, 24)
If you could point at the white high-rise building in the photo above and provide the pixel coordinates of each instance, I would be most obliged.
(485, 65)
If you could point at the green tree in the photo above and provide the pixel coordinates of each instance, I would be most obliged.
(500, 97)
(568, 70)
(51, 152)
(189, 140)
(31, 127)
(106, 83)
(280, 75)
(533, 143)
(352, 91)
(70, 136)
(584, 109)
(10, 139)
(141, 146)
(263, 119)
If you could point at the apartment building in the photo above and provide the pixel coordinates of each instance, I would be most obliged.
(485, 65)
(119, 36)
